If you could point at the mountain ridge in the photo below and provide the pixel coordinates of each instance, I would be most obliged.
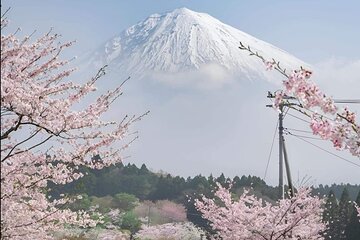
(184, 41)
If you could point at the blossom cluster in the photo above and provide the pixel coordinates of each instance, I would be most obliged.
(327, 121)
(251, 218)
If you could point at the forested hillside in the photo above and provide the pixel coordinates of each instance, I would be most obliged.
(147, 185)
(106, 187)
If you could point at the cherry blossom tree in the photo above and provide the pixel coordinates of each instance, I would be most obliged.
(251, 218)
(327, 120)
(171, 210)
(171, 231)
(43, 139)
(300, 216)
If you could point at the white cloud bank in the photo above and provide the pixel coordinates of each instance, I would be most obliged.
(210, 122)
(338, 77)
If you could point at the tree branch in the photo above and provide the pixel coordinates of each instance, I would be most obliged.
(13, 128)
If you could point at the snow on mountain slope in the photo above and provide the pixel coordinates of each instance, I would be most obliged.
(186, 41)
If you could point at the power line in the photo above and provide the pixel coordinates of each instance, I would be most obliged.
(356, 164)
(272, 144)
(296, 135)
(287, 110)
(353, 101)
(298, 117)
(322, 115)
(297, 130)
(316, 113)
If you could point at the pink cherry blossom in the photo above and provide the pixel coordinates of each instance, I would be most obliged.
(251, 218)
(327, 121)
(331, 124)
(270, 65)
(43, 139)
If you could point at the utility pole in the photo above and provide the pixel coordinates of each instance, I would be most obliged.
(282, 149)
(281, 171)
(288, 173)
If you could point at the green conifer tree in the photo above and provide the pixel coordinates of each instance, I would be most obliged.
(330, 217)
(352, 230)
(345, 210)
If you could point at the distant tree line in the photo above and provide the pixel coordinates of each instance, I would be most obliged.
(147, 185)
(341, 216)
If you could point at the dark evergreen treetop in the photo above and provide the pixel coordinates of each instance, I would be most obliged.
(352, 230)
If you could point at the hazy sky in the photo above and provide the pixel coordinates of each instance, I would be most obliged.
(192, 131)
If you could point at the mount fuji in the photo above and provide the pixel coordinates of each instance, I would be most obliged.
(184, 41)
(206, 96)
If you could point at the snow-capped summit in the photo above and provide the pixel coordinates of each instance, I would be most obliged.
(184, 40)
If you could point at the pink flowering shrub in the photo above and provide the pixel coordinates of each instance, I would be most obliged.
(251, 218)
(43, 139)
